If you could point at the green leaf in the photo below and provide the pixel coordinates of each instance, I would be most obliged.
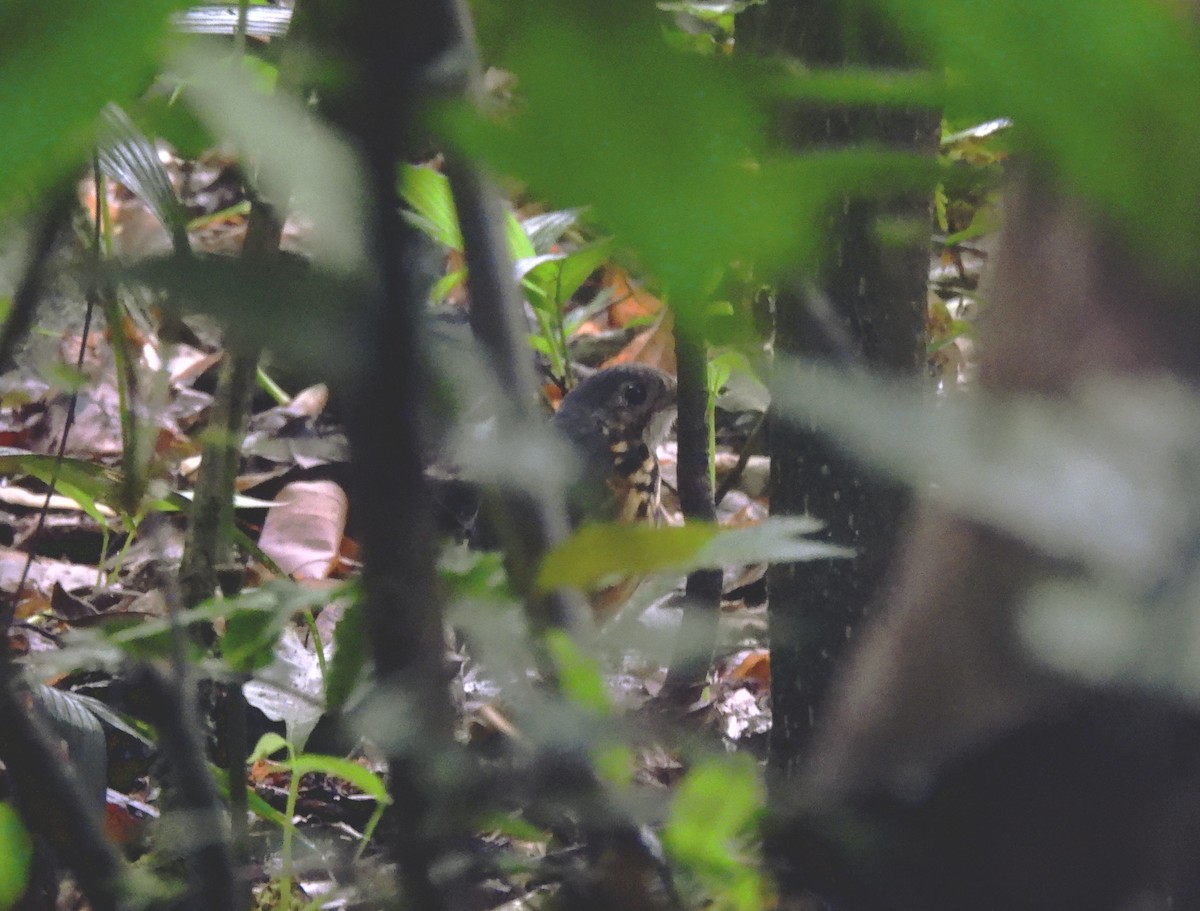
(84, 482)
(254, 802)
(669, 150)
(711, 817)
(221, 19)
(428, 193)
(250, 635)
(319, 174)
(134, 728)
(515, 827)
(1102, 92)
(559, 278)
(1099, 478)
(126, 155)
(262, 74)
(16, 856)
(79, 728)
(580, 677)
(263, 810)
(253, 623)
(268, 744)
(852, 86)
(597, 552)
(447, 283)
(350, 658)
(519, 245)
(363, 779)
(61, 61)
(474, 573)
(547, 229)
(168, 118)
(299, 311)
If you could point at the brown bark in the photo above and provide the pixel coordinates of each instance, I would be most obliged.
(983, 780)
(940, 669)
(867, 303)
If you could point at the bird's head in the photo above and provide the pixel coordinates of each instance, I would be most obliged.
(627, 403)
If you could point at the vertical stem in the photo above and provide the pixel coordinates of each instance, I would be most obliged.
(497, 323)
(702, 603)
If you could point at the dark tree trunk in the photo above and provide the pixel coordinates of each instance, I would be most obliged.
(866, 304)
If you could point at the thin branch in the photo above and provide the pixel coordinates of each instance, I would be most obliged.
(498, 324)
(625, 872)
(9, 610)
(401, 604)
(171, 707)
(29, 291)
(702, 601)
(730, 480)
(403, 610)
(208, 543)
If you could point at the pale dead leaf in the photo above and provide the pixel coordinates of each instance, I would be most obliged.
(309, 402)
(43, 574)
(303, 531)
(187, 363)
(19, 496)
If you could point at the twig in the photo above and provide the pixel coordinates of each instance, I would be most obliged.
(403, 611)
(730, 480)
(395, 57)
(29, 290)
(208, 541)
(171, 707)
(531, 524)
(702, 601)
(497, 323)
(208, 549)
(9, 611)
(625, 872)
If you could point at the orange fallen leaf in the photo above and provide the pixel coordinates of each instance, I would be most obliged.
(553, 394)
(349, 559)
(630, 301)
(655, 347)
(121, 826)
(756, 667)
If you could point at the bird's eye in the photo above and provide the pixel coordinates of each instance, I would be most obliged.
(634, 393)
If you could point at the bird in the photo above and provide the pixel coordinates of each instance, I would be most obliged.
(615, 420)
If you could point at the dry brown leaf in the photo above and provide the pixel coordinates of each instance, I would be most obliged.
(349, 559)
(121, 826)
(630, 301)
(553, 394)
(655, 347)
(756, 666)
(31, 605)
(303, 533)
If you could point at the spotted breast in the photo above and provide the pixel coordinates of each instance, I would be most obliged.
(615, 420)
